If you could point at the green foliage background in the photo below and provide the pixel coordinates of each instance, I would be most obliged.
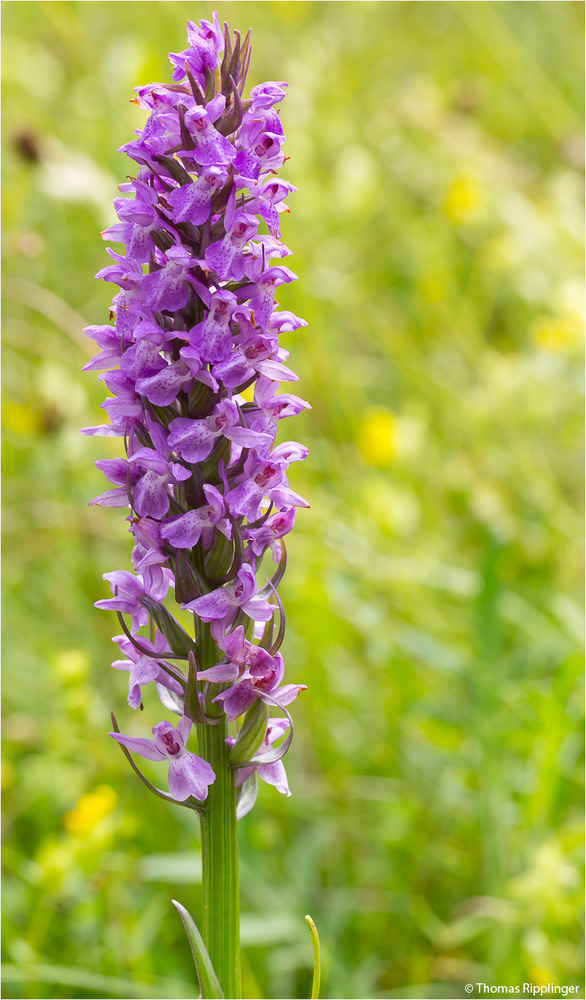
(433, 590)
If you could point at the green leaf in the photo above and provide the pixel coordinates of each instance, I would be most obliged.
(316, 958)
(175, 634)
(208, 982)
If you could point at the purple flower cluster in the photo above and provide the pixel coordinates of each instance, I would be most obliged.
(193, 327)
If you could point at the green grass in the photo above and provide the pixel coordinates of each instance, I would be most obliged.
(433, 592)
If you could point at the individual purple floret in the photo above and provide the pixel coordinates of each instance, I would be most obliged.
(213, 336)
(260, 681)
(144, 667)
(194, 439)
(192, 361)
(222, 606)
(273, 772)
(185, 531)
(130, 590)
(188, 773)
(226, 256)
(193, 202)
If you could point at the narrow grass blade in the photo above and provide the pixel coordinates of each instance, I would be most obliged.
(208, 982)
(316, 958)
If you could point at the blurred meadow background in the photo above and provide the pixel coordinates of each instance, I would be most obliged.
(433, 594)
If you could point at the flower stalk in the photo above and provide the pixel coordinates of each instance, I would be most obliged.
(219, 836)
(221, 908)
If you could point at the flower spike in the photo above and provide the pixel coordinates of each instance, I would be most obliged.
(193, 360)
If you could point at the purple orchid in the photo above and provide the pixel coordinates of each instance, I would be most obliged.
(144, 667)
(261, 681)
(212, 338)
(150, 496)
(211, 146)
(195, 323)
(263, 477)
(129, 590)
(192, 202)
(263, 301)
(255, 355)
(117, 472)
(194, 439)
(138, 220)
(274, 406)
(275, 527)
(167, 288)
(205, 44)
(188, 773)
(225, 256)
(193, 358)
(221, 606)
(185, 531)
(164, 386)
(148, 544)
(265, 95)
(111, 347)
(271, 202)
(274, 772)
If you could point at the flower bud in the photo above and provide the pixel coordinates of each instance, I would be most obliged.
(174, 633)
(185, 586)
(197, 399)
(209, 468)
(251, 733)
(219, 558)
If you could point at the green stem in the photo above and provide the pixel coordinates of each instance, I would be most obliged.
(221, 913)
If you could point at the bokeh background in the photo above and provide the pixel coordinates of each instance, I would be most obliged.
(433, 590)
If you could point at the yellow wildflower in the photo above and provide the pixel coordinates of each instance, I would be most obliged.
(91, 808)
